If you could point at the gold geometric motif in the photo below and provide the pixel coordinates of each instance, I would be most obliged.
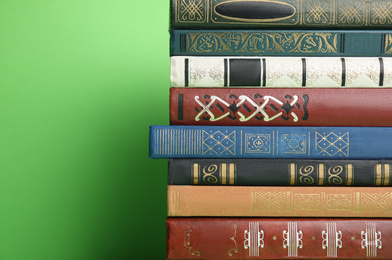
(381, 12)
(192, 11)
(219, 142)
(339, 202)
(332, 144)
(270, 201)
(307, 201)
(351, 12)
(376, 202)
(388, 44)
(317, 12)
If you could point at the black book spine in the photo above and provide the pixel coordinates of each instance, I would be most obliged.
(279, 172)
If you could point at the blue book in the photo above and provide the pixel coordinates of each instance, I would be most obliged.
(271, 142)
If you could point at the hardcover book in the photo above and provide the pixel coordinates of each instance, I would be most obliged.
(271, 142)
(348, 43)
(281, 72)
(279, 201)
(281, 106)
(278, 238)
(294, 14)
(282, 172)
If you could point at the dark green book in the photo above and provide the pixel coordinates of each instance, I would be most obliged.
(295, 14)
(279, 172)
(348, 43)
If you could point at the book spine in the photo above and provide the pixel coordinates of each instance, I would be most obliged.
(284, 201)
(281, 43)
(270, 142)
(281, 72)
(278, 238)
(270, 172)
(288, 14)
(281, 106)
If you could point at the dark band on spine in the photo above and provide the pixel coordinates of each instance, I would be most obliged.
(264, 73)
(182, 42)
(343, 72)
(342, 42)
(186, 72)
(381, 61)
(180, 107)
(303, 72)
(383, 36)
(225, 76)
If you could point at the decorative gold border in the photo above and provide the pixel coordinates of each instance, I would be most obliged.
(254, 20)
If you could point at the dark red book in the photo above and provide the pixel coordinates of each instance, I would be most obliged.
(281, 106)
(279, 238)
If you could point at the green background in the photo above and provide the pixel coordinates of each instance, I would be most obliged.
(80, 83)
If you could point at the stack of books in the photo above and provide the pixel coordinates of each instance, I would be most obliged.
(280, 142)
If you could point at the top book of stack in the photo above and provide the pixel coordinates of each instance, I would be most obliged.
(290, 14)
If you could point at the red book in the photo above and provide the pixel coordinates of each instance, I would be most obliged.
(278, 238)
(281, 106)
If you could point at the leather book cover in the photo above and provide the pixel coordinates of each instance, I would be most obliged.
(281, 72)
(281, 106)
(279, 238)
(279, 172)
(293, 14)
(268, 142)
(348, 43)
(279, 201)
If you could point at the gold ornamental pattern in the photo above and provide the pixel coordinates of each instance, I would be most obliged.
(352, 13)
(261, 42)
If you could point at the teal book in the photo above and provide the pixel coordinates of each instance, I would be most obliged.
(270, 142)
(287, 14)
(349, 43)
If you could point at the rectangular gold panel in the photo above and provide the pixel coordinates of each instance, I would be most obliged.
(349, 174)
(195, 173)
(321, 174)
(378, 174)
(224, 173)
(386, 174)
(292, 173)
(231, 173)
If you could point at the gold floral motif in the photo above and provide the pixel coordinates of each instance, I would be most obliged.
(187, 239)
(305, 172)
(307, 201)
(261, 42)
(334, 173)
(339, 202)
(388, 44)
(216, 73)
(208, 174)
(235, 249)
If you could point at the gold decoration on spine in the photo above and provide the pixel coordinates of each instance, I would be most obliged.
(305, 172)
(333, 175)
(261, 42)
(187, 239)
(232, 173)
(208, 173)
(292, 167)
(224, 173)
(350, 174)
(195, 173)
(321, 173)
(235, 249)
(388, 44)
